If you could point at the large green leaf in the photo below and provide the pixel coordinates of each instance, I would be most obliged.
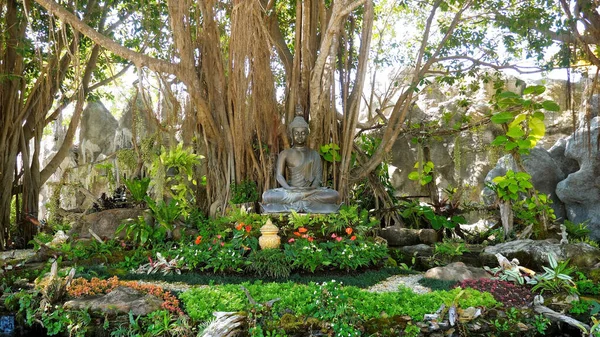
(502, 117)
(551, 106)
(535, 89)
(537, 128)
(515, 132)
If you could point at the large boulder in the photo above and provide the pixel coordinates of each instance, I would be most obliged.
(545, 175)
(105, 223)
(456, 271)
(580, 191)
(534, 253)
(97, 131)
(398, 236)
(121, 300)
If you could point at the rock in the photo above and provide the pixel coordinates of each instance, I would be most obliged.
(399, 236)
(580, 191)
(456, 271)
(534, 254)
(121, 300)
(557, 152)
(545, 175)
(105, 223)
(420, 250)
(97, 131)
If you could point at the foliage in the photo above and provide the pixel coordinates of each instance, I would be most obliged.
(269, 263)
(522, 118)
(330, 152)
(450, 249)
(419, 215)
(334, 306)
(509, 186)
(165, 213)
(556, 278)
(541, 323)
(182, 163)
(138, 188)
(507, 293)
(424, 174)
(577, 231)
(301, 299)
(245, 191)
(139, 231)
(161, 264)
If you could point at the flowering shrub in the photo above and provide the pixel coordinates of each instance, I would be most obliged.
(81, 287)
(509, 294)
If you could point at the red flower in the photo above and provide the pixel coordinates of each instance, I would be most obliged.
(239, 226)
(348, 230)
(297, 233)
(353, 237)
(338, 239)
(291, 240)
(248, 228)
(302, 230)
(310, 239)
(198, 239)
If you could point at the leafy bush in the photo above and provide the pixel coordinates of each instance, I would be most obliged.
(138, 189)
(269, 263)
(556, 278)
(507, 293)
(301, 299)
(245, 191)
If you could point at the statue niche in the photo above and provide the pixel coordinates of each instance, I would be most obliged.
(302, 192)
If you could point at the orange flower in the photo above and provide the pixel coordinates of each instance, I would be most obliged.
(348, 230)
(297, 233)
(239, 226)
(248, 228)
(302, 230)
(310, 239)
(198, 239)
(353, 237)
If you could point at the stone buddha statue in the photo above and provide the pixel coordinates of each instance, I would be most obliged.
(302, 192)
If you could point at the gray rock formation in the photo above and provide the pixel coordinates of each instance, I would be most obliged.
(121, 300)
(545, 175)
(398, 236)
(105, 223)
(456, 271)
(580, 191)
(97, 132)
(534, 253)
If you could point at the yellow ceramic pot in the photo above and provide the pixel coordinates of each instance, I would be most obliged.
(269, 238)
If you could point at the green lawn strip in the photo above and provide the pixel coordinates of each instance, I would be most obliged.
(363, 279)
(301, 299)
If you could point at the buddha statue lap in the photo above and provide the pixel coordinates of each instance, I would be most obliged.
(302, 193)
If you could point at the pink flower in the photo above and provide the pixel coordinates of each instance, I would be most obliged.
(291, 240)
(304, 236)
(222, 244)
(338, 239)
(219, 236)
(333, 235)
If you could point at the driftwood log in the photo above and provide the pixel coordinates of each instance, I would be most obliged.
(226, 324)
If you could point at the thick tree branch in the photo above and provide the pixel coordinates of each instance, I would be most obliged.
(138, 59)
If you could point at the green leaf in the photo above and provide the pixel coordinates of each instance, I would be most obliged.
(535, 90)
(524, 144)
(510, 145)
(518, 120)
(515, 132)
(551, 106)
(539, 115)
(513, 188)
(499, 141)
(413, 175)
(502, 117)
(508, 94)
(426, 180)
(537, 127)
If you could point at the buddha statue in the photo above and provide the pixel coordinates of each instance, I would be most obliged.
(302, 192)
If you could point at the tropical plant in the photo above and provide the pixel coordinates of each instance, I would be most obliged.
(556, 278)
(424, 173)
(245, 191)
(138, 189)
(137, 230)
(166, 214)
(271, 263)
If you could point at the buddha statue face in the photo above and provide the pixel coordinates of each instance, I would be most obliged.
(299, 136)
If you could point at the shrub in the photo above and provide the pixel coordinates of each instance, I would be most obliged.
(507, 293)
(270, 263)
